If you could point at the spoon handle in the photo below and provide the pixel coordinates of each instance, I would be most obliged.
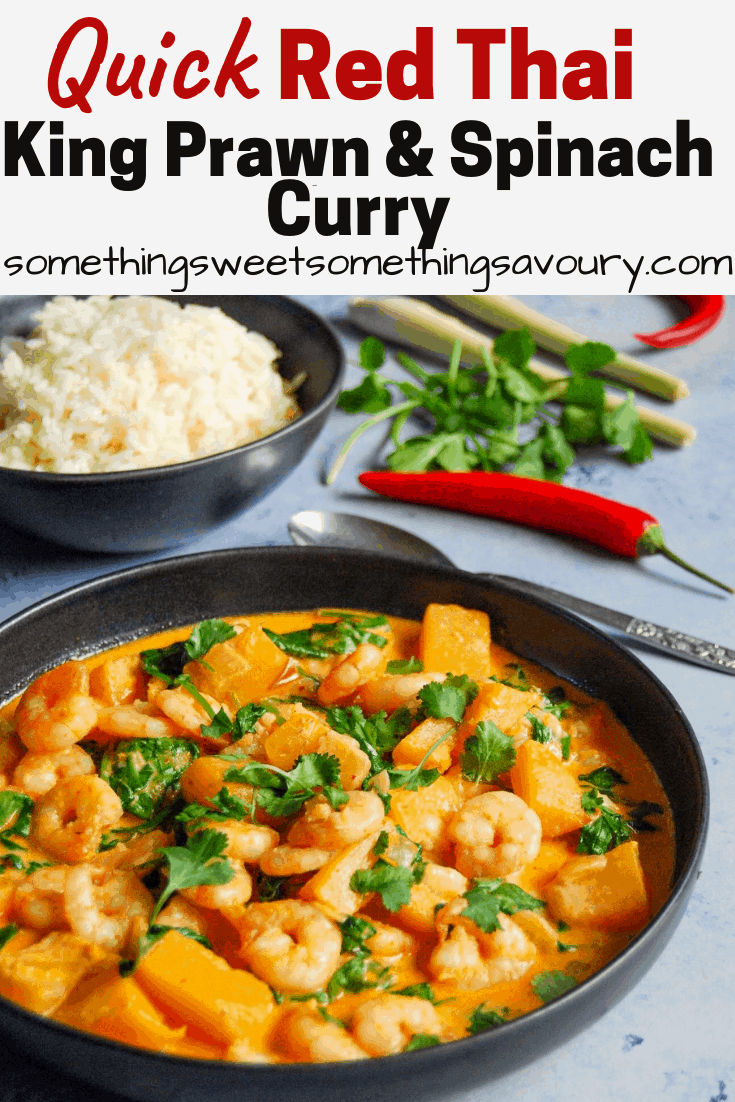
(674, 644)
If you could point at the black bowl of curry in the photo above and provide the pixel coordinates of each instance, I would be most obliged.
(277, 844)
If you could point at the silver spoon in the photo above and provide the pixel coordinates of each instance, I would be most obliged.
(345, 530)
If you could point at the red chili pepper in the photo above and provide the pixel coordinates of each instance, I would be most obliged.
(622, 529)
(706, 312)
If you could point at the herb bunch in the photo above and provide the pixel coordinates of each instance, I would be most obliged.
(477, 411)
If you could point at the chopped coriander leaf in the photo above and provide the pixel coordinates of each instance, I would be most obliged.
(487, 753)
(418, 991)
(200, 861)
(145, 772)
(359, 973)
(591, 801)
(556, 702)
(603, 779)
(562, 926)
(566, 746)
(282, 793)
(377, 735)
(167, 663)
(381, 843)
(562, 947)
(518, 679)
(220, 726)
(539, 731)
(330, 1017)
(489, 897)
(405, 665)
(270, 888)
(6, 932)
(605, 832)
(15, 816)
(481, 1018)
(448, 699)
(341, 636)
(550, 985)
(318, 996)
(393, 882)
(422, 1040)
(355, 932)
(413, 779)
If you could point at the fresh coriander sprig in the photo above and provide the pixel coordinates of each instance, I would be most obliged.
(477, 411)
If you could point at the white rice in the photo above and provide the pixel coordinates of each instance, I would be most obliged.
(116, 384)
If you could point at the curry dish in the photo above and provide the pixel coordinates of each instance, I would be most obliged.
(316, 836)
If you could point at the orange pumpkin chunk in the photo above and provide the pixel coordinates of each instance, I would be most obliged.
(204, 991)
(549, 787)
(606, 891)
(455, 640)
(243, 668)
(498, 703)
(117, 1008)
(118, 681)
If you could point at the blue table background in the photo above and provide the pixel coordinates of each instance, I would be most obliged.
(673, 1037)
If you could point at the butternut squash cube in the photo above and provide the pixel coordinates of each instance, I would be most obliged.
(608, 891)
(455, 640)
(498, 703)
(203, 990)
(118, 1008)
(118, 680)
(549, 787)
(411, 749)
(330, 885)
(243, 668)
(424, 815)
(305, 733)
(41, 976)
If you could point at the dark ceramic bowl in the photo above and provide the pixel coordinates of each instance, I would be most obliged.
(159, 507)
(177, 591)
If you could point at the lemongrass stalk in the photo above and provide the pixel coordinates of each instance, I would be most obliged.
(504, 312)
(418, 325)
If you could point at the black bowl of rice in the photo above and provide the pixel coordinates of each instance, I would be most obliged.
(137, 424)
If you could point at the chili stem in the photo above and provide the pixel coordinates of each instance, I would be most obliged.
(693, 570)
(384, 414)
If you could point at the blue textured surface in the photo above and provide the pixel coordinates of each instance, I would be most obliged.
(674, 1036)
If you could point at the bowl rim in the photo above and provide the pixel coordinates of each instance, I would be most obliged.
(541, 1016)
(139, 473)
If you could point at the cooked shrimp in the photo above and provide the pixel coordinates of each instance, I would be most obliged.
(294, 860)
(68, 822)
(387, 1023)
(349, 674)
(39, 899)
(325, 827)
(470, 958)
(56, 709)
(496, 834)
(246, 842)
(520, 731)
(222, 897)
(37, 774)
(290, 944)
(137, 720)
(178, 912)
(392, 691)
(136, 854)
(305, 1035)
(438, 886)
(389, 943)
(110, 908)
(181, 707)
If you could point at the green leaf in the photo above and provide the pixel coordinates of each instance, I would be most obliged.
(393, 882)
(448, 699)
(585, 392)
(405, 665)
(416, 454)
(619, 424)
(206, 635)
(371, 396)
(489, 897)
(487, 753)
(15, 814)
(515, 346)
(199, 862)
(245, 720)
(6, 932)
(556, 449)
(355, 932)
(519, 386)
(322, 640)
(580, 425)
(455, 456)
(530, 464)
(371, 353)
(604, 779)
(550, 985)
(604, 833)
(642, 447)
(590, 356)
(566, 744)
(167, 663)
(418, 991)
(422, 1040)
(146, 773)
(270, 888)
(482, 1018)
(359, 973)
(539, 731)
